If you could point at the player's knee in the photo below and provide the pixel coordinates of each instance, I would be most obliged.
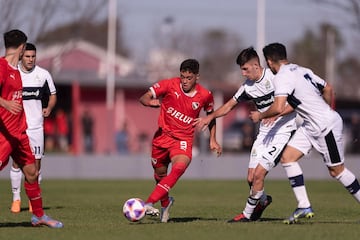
(336, 170)
(30, 173)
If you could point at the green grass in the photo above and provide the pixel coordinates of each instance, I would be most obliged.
(92, 210)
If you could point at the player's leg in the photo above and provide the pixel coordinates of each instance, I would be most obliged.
(15, 179)
(295, 175)
(334, 159)
(253, 177)
(25, 159)
(256, 192)
(36, 138)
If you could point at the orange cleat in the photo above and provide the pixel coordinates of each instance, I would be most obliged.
(16, 206)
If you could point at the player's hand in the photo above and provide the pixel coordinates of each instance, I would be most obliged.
(155, 103)
(216, 148)
(202, 123)
(255, 116)
(46, 112)
(13, 106)
(269, 121)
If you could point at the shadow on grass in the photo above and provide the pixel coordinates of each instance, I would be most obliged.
(17, 224)
(24, 209)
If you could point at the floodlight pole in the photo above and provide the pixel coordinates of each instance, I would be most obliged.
(260, 29)
(111, 43)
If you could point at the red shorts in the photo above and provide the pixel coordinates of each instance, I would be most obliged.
(18, 148)
(164, 147)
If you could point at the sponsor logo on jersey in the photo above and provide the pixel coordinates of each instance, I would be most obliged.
(31, 93)
(195, 105)
(267, 85)
(12, 76)
(178, 115)
(17, 95)
(177, 94)
(154, 160)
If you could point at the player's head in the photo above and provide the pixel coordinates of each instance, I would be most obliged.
(28, 59)
(249, 63)
(190, 65)
(189, 74)
(14, 40)
(274, 53)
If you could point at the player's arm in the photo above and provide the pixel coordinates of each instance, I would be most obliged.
(275, 109)
(50, 106)
(12, 106)
(328, 93)
(148, 100)
(201, 123)
(214, 146)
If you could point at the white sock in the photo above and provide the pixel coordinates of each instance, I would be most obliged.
(348, 179)
(251, 203)
(40, 177)
(296, 178)
(15, 177)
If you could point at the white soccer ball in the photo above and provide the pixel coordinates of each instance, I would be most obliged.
(134, 209)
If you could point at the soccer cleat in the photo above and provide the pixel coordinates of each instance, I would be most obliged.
(299, 213)
(165, 211)
(239, 218)
(260, 207)
(30, 207)
(47, 221)
(16, 206)
(150, 210)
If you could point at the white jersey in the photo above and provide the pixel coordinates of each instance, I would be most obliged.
(261, 92)
(34, 83)
(304, 93)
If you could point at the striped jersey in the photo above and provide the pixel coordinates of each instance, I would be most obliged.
(35, 83)
(261, 92)
(303, 89)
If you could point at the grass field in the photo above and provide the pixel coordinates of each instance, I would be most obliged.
(93, 210)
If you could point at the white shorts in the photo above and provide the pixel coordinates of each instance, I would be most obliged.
(267, 152)
(36, 138)
(330, 145)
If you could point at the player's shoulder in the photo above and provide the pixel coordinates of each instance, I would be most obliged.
(203, 90)
(268, 74)
(41, 70)
(3, 62)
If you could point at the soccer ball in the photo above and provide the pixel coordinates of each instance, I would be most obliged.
(134, 209)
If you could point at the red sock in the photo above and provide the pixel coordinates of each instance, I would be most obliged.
(163, 187)
(33, 192)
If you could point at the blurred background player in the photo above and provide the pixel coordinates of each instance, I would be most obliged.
(35, 81)
(322, 127)
(180, 100)
(14, 141)
(272, 135)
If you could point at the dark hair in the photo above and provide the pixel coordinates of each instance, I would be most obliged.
(190, 65)
(30, 47)
(14, 38)
(246, 55)
(275, 52)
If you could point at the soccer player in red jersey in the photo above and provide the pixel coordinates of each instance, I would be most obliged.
(13, 139)
(180, 100)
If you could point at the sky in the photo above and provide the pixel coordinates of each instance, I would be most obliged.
(285, 20)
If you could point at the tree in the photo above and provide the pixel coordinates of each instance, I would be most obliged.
(38, 16)
(349, 69)
(219, 52)
(349, 7)
(310, 50)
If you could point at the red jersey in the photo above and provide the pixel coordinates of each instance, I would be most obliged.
(11, 89)
(178, 109)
